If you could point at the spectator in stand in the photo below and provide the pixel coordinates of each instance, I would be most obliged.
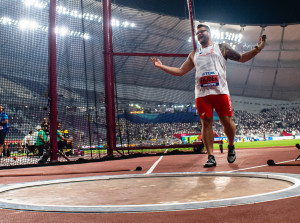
(4, 128)
(294, 134)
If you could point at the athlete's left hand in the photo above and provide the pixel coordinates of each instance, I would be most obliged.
(261, 43)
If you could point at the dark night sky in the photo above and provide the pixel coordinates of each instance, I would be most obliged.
(255, 12)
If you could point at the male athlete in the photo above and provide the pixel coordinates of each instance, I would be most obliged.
(211, 89)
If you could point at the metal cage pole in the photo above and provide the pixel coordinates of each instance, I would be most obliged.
(52, 80)
(109, 78)
(189, 2)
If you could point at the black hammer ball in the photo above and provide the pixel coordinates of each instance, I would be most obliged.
(139, 168)
(271, 163)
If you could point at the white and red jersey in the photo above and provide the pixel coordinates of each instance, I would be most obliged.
(210, 78)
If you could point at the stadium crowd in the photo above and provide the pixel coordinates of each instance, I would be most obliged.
(268, 122)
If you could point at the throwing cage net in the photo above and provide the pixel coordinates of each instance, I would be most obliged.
(151, 107)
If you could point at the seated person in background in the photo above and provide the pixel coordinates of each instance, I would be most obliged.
(34, 137)
(43, 144)
(41, 139)
(45, 122)
(26, 141)
(31, 142)
(62, 140)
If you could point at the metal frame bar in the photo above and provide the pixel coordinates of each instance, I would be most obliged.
(52, 80)
(109, 78)
(109, 70)
(192, 23)
(250, 69)
(278, 61)
(150, 54)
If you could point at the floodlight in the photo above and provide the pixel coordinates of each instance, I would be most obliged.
(27, 24)
(59, 9)
(86, 36)
(23, 24)
(29, 3)
(222, 35)
(64, 31)
(6, 20)
(125, 24)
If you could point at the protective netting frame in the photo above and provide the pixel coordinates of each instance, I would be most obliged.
(197, 147)
(109, 55)
(86, 71)
(50, 102)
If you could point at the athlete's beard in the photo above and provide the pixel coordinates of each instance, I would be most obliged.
(204, 41)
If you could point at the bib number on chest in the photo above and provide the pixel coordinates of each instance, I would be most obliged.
(209, 79)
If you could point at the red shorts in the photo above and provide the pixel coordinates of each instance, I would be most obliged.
(221, 103)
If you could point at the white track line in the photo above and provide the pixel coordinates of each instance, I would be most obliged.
(259, 166)
(154, 165)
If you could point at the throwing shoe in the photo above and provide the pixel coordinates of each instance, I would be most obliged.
(210, 162)
(231, 156)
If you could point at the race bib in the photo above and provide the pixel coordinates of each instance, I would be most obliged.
(209, 79)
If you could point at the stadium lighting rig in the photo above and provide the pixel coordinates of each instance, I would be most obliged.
(61, 10)
(26, 25)
(233, 39)
(230, 36)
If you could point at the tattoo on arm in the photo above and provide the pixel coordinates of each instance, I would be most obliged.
(229, 53)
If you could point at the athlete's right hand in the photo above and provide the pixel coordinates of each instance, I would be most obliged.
(156, 62)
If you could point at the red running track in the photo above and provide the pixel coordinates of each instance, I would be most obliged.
(250, 160)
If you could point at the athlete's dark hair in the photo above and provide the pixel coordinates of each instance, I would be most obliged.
(203, 25)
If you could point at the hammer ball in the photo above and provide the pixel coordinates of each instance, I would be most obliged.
(271, 162)
(139, 168)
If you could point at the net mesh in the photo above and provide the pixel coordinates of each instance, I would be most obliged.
(80, 74)
(145, 104)
(151, 106)
(24, 74)
(24, 77)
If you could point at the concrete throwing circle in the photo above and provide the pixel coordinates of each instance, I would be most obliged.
(144, 193)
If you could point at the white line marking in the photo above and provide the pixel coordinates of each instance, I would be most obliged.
(154, 165)
(259, 166)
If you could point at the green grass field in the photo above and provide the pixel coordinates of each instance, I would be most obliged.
(256, 144)
(260, 144)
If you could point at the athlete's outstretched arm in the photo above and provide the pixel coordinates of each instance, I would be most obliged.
(187, 66)
(231, 54)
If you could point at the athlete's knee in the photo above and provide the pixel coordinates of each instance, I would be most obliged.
(226, 121)
(207, 122)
